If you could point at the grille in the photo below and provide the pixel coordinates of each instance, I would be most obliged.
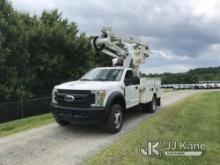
(82, 98)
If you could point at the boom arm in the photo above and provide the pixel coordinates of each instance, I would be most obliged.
(127, 51)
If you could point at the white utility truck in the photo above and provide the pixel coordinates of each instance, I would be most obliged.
(103, 94)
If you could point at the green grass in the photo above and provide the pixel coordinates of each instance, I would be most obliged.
(12, 127)
(194, 120)
(167, 90)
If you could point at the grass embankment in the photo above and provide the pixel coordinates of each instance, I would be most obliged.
(194, 120)
(12, 127)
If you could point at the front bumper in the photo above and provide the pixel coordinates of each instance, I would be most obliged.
(88, 115)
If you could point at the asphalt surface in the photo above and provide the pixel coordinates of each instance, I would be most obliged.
(54, 144)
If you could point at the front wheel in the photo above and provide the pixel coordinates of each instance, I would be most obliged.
(114, 120)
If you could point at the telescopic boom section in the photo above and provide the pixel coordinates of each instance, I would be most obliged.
(126, 51)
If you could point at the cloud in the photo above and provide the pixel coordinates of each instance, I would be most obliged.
(211, 52)
(175, 68)
(180, 33)
(166, 54)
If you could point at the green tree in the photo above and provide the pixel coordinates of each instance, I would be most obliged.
(38, 52)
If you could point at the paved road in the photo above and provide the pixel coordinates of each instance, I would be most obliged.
(53, 144)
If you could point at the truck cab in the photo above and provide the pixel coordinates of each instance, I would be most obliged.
(102, 95)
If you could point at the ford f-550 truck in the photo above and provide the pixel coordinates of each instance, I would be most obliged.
(103, 94)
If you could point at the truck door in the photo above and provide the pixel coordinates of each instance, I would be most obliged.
(131, 90)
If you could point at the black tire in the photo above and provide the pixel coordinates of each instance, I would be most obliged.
(150, 107)
(144, 107)
(114, 124)
(62, 123)
(158, 101)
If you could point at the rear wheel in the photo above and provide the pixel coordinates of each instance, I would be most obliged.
(151, 106)
(114, 120)
(62, 123)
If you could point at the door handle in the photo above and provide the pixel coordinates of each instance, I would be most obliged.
(136, 87)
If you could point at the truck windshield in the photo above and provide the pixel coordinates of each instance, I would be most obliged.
(103, 75)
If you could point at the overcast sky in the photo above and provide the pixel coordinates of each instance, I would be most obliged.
(183, 34)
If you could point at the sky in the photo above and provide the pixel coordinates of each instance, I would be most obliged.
(182, 34)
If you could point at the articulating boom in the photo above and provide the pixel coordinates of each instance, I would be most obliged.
(127, 51)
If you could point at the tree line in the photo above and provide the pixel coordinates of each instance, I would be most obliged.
(38, 52)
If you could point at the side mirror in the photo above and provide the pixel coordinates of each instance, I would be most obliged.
(136, 80)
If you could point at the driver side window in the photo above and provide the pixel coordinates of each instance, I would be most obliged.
(128, 78)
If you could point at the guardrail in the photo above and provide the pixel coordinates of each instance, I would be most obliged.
(24, 108)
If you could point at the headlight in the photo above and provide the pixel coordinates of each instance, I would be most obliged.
(53, 96)
(99, 98)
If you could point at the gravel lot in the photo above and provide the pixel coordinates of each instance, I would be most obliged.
(53, 144)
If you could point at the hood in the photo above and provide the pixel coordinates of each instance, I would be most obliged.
(87, 85)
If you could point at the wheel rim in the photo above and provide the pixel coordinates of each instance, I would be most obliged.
(117, 119)
(154, 104)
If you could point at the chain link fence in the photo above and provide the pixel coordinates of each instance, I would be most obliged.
(24, 108)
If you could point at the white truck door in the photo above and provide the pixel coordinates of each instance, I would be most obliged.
(131, 90)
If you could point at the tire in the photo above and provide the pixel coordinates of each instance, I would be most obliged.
(62, 123)
(114, 121)
(150, 107)
(144, 107)
(158, 101)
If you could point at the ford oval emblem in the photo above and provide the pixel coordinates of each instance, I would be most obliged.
(69, 98)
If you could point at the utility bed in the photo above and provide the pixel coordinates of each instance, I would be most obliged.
(149, 87)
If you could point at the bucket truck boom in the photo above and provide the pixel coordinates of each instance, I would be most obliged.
(127, 51)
